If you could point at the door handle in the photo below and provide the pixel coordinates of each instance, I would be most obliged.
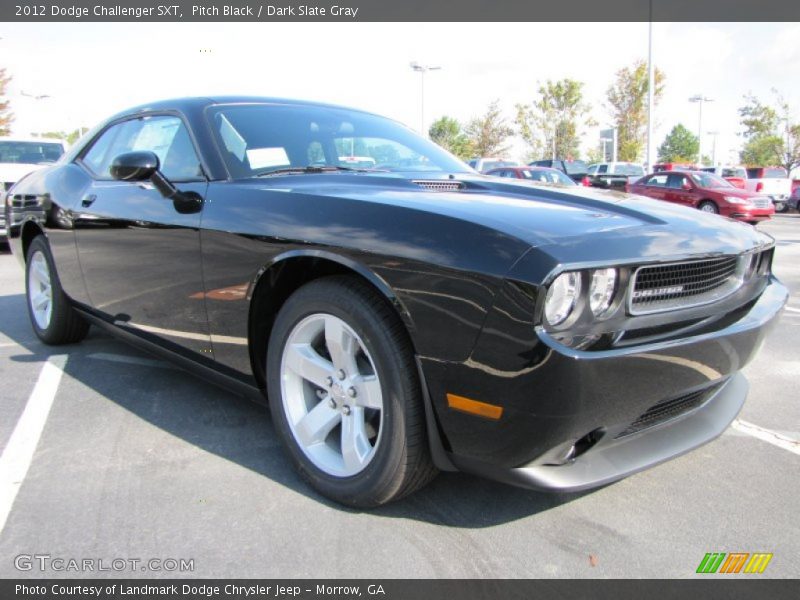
(87, 200)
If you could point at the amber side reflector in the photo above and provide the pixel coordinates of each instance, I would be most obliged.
(474, 407)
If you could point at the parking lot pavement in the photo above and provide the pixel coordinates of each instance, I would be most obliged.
(138, 460)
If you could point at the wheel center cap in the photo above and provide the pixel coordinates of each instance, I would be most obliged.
(337, 391)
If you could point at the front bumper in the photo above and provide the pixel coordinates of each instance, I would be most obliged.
(563, 397)
(612, 459)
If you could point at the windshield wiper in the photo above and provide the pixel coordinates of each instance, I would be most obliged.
(320, 169)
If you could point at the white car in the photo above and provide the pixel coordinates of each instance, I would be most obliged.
(481, 165)
(18, 157)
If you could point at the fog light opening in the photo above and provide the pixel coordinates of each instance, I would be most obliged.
(583, 445)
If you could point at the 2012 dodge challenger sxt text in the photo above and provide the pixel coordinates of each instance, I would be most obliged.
(401, 313)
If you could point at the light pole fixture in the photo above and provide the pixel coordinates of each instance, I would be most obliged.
(700, 99)
(422, 69)
(34, 96)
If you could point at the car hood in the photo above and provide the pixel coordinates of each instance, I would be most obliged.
(13, 172)
(568, 220)
(733, 191)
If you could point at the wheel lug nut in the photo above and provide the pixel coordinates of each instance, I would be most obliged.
(329, 381)
(341, 374)
(346, 409)
(351, 392)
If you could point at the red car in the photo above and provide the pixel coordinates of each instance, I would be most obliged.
(533, 174)
(706, 192)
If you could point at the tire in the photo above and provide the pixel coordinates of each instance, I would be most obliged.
(53, 318)
(781, 207)
(708, 206)
(365, 443)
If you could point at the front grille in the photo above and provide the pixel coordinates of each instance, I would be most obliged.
(24, 201)
(681, 285)
(667, 410)
(440, 186)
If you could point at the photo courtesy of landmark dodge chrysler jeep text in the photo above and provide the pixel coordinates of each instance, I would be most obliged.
(402, 317)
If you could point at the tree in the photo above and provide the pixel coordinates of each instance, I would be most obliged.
(627, 102)
(488, 133)
(550, 124)
(448, 133)
(771, 136)
(70, 138)
(680, 145)
(6, 116)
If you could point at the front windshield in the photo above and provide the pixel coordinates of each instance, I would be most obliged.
(551, 176)
(257, 139)
(709, 180)
(30, 152)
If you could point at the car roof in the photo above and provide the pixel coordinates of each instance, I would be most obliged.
(200, 102)
(29, 138)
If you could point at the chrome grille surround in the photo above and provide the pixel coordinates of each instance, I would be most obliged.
(678, 285)
(440, 186)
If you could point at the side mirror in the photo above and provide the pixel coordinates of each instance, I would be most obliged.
(134, 166)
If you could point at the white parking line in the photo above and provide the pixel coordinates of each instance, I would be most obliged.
(794, 310)
(767, 435)
(18, 453)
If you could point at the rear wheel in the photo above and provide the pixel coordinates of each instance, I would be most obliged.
(709, 207)
(53, 318)
(345, 396)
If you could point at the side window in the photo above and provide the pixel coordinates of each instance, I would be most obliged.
(167, 137)
(657, 181)
(602, 169)
(99, 156)
(677, 181)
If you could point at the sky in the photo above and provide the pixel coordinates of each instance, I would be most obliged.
(92, 70)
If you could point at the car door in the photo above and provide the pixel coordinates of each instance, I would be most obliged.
(680, 189)
(654, 186)
(140, 252)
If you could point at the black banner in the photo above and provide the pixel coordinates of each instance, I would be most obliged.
(399, 10)
(391, 589)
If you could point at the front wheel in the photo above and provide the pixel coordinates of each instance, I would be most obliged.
(709, 207)
(53, 318)
(781, 207)
(345, 396)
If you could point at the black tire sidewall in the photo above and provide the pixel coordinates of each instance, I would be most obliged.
(376, 481)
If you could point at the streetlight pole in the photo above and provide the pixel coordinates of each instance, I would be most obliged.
(699, 99)
(422, 69)
(714, 135)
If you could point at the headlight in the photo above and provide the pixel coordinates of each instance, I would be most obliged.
(601, 290)
(561, 297)
(736, 200)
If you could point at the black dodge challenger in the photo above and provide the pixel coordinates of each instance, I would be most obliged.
(402, 313)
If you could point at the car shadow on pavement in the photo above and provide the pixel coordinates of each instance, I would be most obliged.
(240, 431)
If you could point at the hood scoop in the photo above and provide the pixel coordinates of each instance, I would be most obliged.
(437, 185)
